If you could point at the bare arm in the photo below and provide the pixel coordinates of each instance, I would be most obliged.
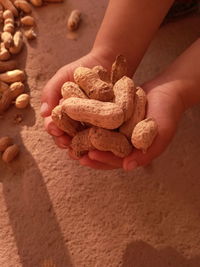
(183, 76)
(128, 27)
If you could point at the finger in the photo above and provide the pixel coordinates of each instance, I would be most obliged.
(62, 141)
(138, 158)
(86, 161)
(106, 157)
(51, 128)
(52, 91)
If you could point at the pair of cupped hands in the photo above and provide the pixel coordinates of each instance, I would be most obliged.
(163, 105)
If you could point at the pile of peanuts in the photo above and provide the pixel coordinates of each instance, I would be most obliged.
(105, 111)
(8, 149)
(16, 22)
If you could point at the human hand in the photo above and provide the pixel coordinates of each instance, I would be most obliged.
(166, 107)
(51, 94)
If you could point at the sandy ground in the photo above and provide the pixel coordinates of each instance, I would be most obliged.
(54, 212)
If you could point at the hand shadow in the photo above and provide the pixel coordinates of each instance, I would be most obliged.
(36, 231)
(141, 254)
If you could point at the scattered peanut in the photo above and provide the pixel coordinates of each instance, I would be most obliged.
(106, 140)
(54, 1)
(30, 34)
(124, 91)
(138, 112)
(93, 86)
(4, 53)
(3, 87)
(8, 21)
(74, 20)
(81, 143)
(102, 114)
(119, 68)
(10, 153)
(23, 5)
(1, 16)
(5, 142)
(7, 39)
(17, 43)
(36, 3)
(22, 101)
(7, 4)
(71, 89)
(64, 122)
(144, 133)
(12, 76)
(10, 94)
(7, 65)
(27, 21)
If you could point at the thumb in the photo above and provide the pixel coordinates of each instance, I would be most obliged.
(52, 91)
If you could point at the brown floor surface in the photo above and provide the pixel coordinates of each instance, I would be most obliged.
(54, 212)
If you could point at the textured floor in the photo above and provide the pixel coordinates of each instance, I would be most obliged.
(55, 213)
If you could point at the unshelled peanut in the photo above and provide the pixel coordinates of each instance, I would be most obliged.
(144, 133)
(139, 110)
(23, 5)
(36, 3)
(8, 5)
(71, 89)
(7, 39)
(30, 34)
(17, 43)
(12, 76)
(8, 21)
(10, 94)
(102, 72)
(54, 1)
(10, 153)
(93, 86)
(64, 122)
(3, 87)
(119, 68)
(27, 21)
(124, 91)
(4, 53)
(74, 20)
(81, 143)
(102, 114)
(105, 140)
(22, 101)
(8, 65)
(5, 142)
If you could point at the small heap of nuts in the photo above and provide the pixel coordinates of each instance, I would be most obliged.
(8, 149)
(16, 21)
(105, 111)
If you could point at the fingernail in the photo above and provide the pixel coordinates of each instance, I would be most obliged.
(44, 108)
(131, 165)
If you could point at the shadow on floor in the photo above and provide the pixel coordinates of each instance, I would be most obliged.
(38, 236)
(141, 254)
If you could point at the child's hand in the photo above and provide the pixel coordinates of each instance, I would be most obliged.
(169, 95)
(51, 93)
(166, 107)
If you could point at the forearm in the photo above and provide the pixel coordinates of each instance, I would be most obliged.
(183, 76)
(128, 28)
